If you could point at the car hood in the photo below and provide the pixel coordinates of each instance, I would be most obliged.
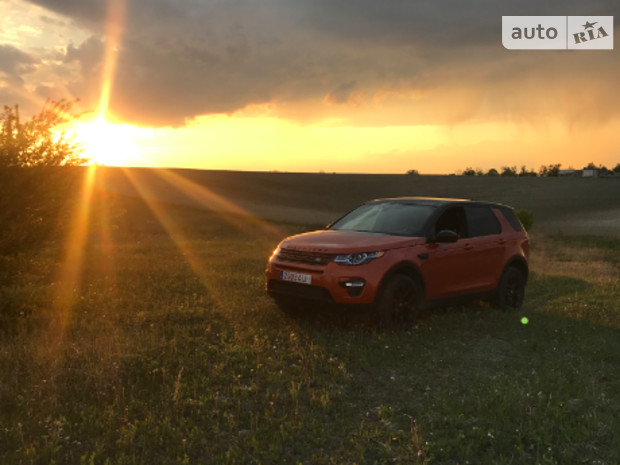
(337, 241)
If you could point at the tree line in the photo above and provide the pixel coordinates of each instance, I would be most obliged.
(545, 170)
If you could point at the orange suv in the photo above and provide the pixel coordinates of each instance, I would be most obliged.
(394, 256)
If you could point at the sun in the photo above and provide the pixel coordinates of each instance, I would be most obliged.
(106, 143)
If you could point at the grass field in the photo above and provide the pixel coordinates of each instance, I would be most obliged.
(168, 351)
(569, 205)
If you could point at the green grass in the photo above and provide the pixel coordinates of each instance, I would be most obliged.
(569, 204)
(172, 353)
(604, 243)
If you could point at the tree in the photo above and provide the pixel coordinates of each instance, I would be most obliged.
(469, 171)
(550, 170)
(492, 172)
(35, 142)
(35, 187)
(413, 172)
(554, 170)
(524, 172)
(509, 171)
(617, 168)
(542, 171)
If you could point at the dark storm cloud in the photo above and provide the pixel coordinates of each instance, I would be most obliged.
(81, 10)
(342, 93)
(439, 23)
(89, 54)
(14, 63)
(179, 59)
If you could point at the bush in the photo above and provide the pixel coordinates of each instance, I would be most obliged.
(35, 204)
(526, 217)
(35, 183)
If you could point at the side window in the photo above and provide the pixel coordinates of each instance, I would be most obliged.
(452, 219)
(512, 218)
(481, 221)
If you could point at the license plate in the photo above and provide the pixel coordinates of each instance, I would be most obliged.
(302, 278)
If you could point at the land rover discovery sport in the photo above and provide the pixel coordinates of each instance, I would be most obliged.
(393, 256)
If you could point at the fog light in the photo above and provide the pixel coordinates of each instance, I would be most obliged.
(354, 286)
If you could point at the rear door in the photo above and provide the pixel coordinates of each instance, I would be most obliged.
(485, 246)
(473, 262)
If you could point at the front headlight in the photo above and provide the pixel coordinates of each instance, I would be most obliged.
(274, 253)
(357, 258)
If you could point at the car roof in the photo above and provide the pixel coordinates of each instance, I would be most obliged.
(434, 201)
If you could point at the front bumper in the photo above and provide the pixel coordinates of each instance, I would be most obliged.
(330, 284)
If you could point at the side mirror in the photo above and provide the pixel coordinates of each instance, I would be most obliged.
(446, 236)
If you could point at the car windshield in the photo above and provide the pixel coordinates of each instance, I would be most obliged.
(394, 218)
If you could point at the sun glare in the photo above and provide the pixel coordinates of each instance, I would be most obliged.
(106, 143)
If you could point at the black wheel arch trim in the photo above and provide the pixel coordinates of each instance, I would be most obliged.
(519, 263)
(406, 268)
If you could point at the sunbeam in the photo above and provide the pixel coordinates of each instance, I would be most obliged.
(176, 233)
(101, 224)
(115, 24)
(70, 273)
(240, 218)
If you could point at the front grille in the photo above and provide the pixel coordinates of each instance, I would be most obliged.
(300, 256)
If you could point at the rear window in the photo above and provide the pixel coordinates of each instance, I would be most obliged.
(394, 218)
(481, 221)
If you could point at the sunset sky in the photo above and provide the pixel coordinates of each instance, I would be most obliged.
(314, 85)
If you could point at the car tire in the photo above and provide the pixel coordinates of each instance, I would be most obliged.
(511, 289)
(398, 303)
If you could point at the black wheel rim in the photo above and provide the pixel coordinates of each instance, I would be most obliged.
(514, 291)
